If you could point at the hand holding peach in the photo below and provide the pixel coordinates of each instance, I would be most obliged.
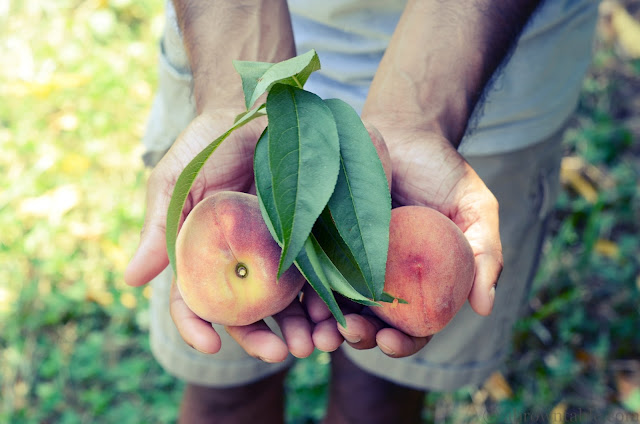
(430, 265)
(227, 262)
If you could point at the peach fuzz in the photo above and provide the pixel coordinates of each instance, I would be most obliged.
(431, 265)
(227, 262)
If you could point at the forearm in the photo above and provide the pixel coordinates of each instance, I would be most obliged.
(440, 58)
(217, 32)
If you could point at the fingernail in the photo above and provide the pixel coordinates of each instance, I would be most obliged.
(351, 338)
(268, 361)
(386, 350)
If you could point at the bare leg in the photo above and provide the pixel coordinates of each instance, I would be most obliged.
(259, 402)
(356, 396)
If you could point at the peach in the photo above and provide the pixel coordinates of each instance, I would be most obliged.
(430, 264)
(227, 262)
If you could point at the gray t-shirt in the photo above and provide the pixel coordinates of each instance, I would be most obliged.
(534, 95)
(536, 91)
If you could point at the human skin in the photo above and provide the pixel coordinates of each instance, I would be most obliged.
(258, 31)
(432, 75)
(421, 99)
(440, 58)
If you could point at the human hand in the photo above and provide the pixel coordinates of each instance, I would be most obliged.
(428, 171)
(229, 168)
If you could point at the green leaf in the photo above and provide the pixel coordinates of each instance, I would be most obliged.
(250, 73)
(336, 249)
(308, 266)
(361, 202)
(304, 158)
(260, 77)
(185, 181)
(264, 187)
(335, 278)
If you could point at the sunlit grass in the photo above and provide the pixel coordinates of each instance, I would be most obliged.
(76, 83)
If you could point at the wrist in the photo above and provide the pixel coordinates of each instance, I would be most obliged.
(440, 58)
(216, 33)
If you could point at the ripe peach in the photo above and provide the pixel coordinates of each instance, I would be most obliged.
(227, 262)
(431, 265)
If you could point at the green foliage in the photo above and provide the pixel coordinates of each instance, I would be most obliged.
(77, 84)
(306, 261)
(315, 156)
(304, 157)
(359, 205)
(260, 77)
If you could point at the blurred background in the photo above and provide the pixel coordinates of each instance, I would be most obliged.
(76, 82)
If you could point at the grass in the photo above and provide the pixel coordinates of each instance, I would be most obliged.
(77, 79)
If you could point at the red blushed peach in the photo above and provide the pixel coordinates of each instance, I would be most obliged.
(227, 262)
(431, 265)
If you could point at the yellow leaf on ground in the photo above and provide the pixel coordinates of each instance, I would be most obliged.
(558, 414)
(115, 254)
(44, 87)
(627, 30)
(498, 387)
(74, 164)
(52, 204)
(86, 231)
(128, 300)
(101, 297)
(146, 292)
(607, 248)
(7, 300)
(571, 177)
(65, 121)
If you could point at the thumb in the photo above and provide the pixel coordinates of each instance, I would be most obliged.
(151, 256)
(484, 237)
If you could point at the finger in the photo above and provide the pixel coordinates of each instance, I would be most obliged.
(361, 330)
(485, 242)
(151, 257)
(259, 341)
(296, 329)
(483, 291)
(326, 336)
(196, 332)
(396, 344)
(317, 310)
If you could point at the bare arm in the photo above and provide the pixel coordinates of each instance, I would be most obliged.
(215, 33)
(441, 57)
(218, 32)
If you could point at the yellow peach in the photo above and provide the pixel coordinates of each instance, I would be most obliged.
(227, 262)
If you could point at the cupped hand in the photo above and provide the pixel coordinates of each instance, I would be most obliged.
(428, 171)
(229, 168)
(363, 330)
